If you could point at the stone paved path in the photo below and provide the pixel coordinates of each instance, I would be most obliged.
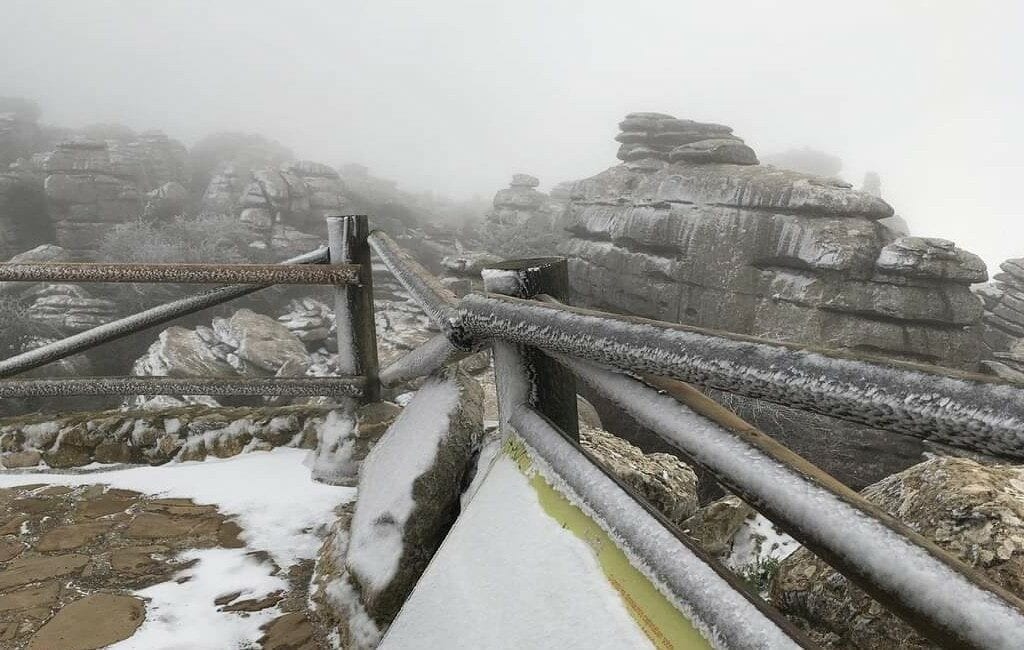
(70, 558)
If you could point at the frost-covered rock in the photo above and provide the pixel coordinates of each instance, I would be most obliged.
(760, 250)
(521, 204)
(1003, 301)
(346, 438)
(662, 479)
(68, 308)
(246, 344)
(974, 511)
(409, 488)
(157, 436)
(716, 524)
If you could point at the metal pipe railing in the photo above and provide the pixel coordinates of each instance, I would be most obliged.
(422, 360)
(337, 274)
(960, 409)
(722, 611)
(214, 386)
(142, 320)
(933, 591)
(439, 303)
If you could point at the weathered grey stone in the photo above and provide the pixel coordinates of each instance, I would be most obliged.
(662, 479)
(727, 151)
(392, 538)
(972, 510)
(715, 525)
(263, 342)
(768, 252)
(927, 257)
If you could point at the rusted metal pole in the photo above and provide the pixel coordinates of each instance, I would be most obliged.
(353, 304)
(138, 322)
(216, 386)
(181, 273)
(554, 387)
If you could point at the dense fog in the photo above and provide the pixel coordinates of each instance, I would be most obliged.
(454, 96)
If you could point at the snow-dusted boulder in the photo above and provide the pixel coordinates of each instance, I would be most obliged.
(409, 488)
(974, 511)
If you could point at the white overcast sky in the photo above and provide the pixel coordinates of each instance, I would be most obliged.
(456, 95)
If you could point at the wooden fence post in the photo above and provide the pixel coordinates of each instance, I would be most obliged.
(353, 304)
(553, 390)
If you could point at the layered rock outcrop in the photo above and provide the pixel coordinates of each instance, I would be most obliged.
(974, 511)
(522, 204)
(23, 219)
(284, 206)
(752, 249)
(19, 130)
(1004, 320)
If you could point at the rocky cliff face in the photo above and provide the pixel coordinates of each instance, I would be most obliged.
(279, 204)
(1004, 320)
(691, 229)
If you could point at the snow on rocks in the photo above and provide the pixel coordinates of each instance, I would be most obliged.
(662, 479)
(972, 510)
(155, 437)
(409, 487)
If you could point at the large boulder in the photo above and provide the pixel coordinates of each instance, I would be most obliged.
(974, 511)
(409, 487)
(692, 230)
(663, 480)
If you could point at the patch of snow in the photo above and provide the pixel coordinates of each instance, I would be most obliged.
(182, 615)
(386, 481)
(509, 576)
(757, 540)
(332, 461)
(270, 494)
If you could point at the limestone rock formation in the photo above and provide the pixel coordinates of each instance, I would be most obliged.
(662, 479)
(23, 218)
(246, 344)
(521, 204)
(1004, 320)
(763, 251)
(88, 189)
(68, 308)
(974, 511)
(284, 206)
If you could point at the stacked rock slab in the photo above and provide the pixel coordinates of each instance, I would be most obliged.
(278, 204)
(88, 189)
(758, 250)
(650, 138)
(1004, 320)
(23, 220)
(521, 203)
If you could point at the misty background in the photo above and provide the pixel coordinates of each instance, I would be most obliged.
(453, 96)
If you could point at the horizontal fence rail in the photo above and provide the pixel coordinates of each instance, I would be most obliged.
(960, 409)
(137, 322)
(439, 303)
(925, 585)
(422, 360)
(214, 386)
(182, 273)
(720, 608)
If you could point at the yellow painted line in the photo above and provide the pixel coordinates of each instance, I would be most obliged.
(664, 625)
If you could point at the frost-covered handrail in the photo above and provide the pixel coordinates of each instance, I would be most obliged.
(725, 613)
(433, 297)
(960, 409)
(181, 273)
(215, 386)
(422, 360)
(932, 590)
(140, 321)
